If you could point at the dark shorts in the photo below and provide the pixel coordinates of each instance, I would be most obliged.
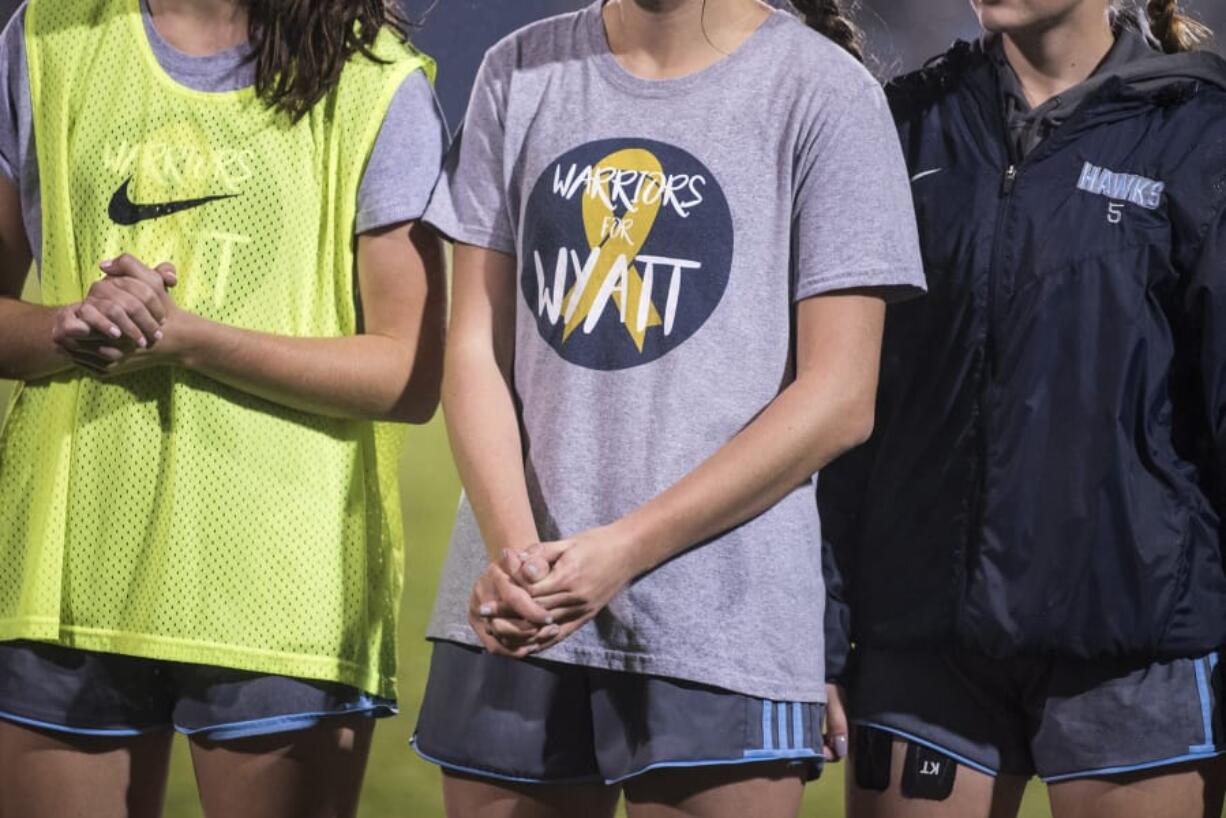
(100, 694)
(542, 722)
(1052, 717)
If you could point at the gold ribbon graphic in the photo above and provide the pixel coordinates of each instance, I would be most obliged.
(617, 237)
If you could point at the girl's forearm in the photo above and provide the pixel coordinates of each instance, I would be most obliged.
(26, 350)
(361, 376)
(488, 450)
(808, 425)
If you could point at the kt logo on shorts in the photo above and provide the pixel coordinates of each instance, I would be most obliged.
(627, 251)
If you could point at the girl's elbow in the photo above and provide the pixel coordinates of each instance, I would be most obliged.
(417, 406)
(414, 401)
(840, 420)
(860, 427)
(424, 409)
(856, 423)
(423, 388)
(417, 417)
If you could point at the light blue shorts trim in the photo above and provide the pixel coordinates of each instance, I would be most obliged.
(288, 723)
(511, 779)
(116, 732)
(1133, 768)
(931, 745)
(272, 725)
(750, 757)
(1048, 779)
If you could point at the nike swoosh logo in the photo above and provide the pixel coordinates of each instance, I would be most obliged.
(124, 211)
(925, 175)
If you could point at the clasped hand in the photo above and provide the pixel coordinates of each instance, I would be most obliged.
(530, 600)
(124, 323)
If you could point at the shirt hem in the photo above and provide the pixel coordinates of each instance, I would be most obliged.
(897, 286)
(476, 236)
(381, 216)
(171, 649)
(666, 667)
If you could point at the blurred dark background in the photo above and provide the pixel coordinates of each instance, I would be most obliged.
(901, 33)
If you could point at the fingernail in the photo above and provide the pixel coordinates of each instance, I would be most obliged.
(106, 263)
(486, 610)
(141, 342)
(115, 332)
(531, 570)
(840, 747)
(506, 554)
(549, 620)
(157, 336)
(551, 631)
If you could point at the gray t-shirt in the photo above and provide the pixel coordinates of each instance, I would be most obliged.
(664, 230)
(399, 178)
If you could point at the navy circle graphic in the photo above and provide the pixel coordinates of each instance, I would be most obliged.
(627, 251)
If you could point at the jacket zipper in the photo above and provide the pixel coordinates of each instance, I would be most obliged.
(1008, 183)
(1010, 180)
(1016, 165)
(975, 534)
(991, 352)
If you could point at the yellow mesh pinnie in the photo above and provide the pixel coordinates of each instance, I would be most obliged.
(163, 514)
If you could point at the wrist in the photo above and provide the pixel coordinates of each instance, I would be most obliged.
(55, 319)
(495, 546)
(54, 316)
(184, 336)
(630, 536)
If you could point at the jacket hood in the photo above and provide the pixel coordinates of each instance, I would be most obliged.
(1154, 74)
(1135, 69)
(1151, 73)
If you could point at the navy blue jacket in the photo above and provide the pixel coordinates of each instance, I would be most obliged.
(1048, 471)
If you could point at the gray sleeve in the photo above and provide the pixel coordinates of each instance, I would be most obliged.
(406, 158)
(854, 216)
(470, 202)
(14, 94)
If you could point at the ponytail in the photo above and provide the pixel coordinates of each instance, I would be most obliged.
(1173, 29)
(826, 17)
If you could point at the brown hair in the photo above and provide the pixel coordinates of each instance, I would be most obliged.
(299, 47)
(827, 17)
(1172, 28)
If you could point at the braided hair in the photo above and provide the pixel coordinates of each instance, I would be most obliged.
(1172, 28)
(827, 17)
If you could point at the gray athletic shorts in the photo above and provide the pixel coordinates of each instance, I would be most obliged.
(536, 722)
(1054, 717)
(82, 692)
